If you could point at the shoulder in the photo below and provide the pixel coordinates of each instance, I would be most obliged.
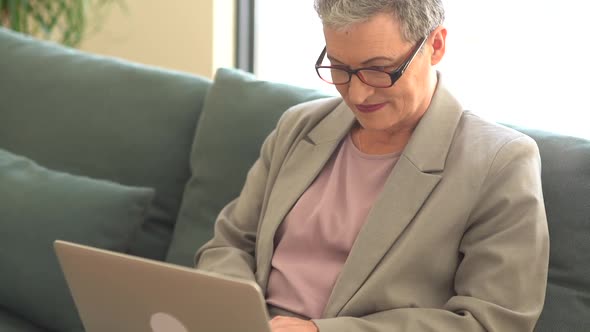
(484, 137)
(490, 146)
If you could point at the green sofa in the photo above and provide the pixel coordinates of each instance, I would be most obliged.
(140, 160)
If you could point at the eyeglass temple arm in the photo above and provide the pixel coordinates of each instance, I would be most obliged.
(414, 55)
(321, 57)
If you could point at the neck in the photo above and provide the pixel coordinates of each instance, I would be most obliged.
(379, 142)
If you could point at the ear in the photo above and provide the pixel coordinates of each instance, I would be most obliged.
(438, 42)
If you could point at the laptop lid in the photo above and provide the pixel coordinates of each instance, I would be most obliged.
(118, 292)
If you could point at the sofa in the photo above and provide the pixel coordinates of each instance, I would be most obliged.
(140, 160)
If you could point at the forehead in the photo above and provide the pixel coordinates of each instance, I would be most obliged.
(379, 36)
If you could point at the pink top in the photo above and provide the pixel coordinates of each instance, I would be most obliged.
(314, 240)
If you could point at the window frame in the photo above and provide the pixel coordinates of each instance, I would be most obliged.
(245, 34)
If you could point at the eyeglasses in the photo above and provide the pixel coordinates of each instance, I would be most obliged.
(371, 76)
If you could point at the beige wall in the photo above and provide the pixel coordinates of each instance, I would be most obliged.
(196, 36)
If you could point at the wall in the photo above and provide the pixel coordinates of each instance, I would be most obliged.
(196, 36)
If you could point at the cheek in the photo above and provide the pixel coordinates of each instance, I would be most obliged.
(405, 91)
(342, 90)
(393, 95)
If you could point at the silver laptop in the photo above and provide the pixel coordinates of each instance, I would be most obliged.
(118, 292)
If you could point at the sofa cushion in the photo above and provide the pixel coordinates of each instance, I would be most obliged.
(103, 118)
(239, 113)
(38, 206)
(566, 189)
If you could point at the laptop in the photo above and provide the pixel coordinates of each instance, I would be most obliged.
(118, 292)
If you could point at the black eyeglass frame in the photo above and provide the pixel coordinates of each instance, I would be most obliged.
(394, 75)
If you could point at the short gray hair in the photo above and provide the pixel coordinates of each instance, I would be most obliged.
(417, 17)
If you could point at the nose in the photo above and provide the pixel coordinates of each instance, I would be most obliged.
(358, 91)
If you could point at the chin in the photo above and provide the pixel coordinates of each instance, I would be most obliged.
(377, 125)
(378, 120)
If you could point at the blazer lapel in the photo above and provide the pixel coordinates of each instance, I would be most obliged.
(404, 193)
(299, 171)
(415, 175)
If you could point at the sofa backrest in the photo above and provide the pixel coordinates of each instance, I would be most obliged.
(102, 118)
(566, 189)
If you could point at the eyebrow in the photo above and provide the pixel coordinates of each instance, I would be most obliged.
(331, 58)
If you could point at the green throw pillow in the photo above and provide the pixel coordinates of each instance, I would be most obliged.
(239, 112)
(38, 206)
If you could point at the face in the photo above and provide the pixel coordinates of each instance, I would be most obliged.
(378, 43)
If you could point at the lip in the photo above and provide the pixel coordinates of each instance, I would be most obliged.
(369, 108)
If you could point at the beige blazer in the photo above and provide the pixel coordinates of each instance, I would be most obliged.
(457, 240)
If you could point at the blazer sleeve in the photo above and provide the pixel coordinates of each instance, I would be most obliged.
(231, 251)
(501, 280)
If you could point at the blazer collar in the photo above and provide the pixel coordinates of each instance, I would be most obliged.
(334, 126)
(430, 143)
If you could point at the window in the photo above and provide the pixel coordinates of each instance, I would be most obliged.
(520, 62)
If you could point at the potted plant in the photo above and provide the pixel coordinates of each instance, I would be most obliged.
(66, 21)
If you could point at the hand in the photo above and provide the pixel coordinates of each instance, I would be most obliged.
(290, 324)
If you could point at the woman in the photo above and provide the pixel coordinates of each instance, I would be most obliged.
(391, 208)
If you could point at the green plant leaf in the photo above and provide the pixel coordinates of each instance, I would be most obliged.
(75, 24)
(15, 15)
(65, 20)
